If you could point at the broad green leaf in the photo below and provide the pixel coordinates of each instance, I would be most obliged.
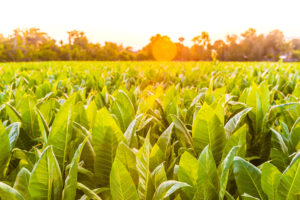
(46, 179)
(88, 153)
(121, 184)
(44, 128)
(157, 156)
(164, 139)
(159, 175)
(225, 169)
(91, 112)
(106, 136)
(7, 192)
(289, 185)
(248, 178)
(188, 173)
(233, 124)
(183, 131)
(208, 130)
(167, 188)
(22, 182)
(258, 99)
(238, 138)
(25, 156)
(87, 191)
(270, 177)
(248, 197)
(96, 191)
(13, 114)
(130, 133)
(208, 180)
(69, 192)
(123, 108)
(5, 151)
(128, 158)
(145, 186)
(13, 131)
(295, 135)
(29, 116)
(61, 132)
(80, 115)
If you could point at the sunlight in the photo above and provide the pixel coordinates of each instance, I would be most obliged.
(164, 49)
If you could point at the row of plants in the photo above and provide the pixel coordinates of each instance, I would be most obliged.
(126, 130)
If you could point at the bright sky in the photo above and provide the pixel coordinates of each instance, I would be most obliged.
(133, 22)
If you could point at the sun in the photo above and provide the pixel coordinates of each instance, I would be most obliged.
(164, 49)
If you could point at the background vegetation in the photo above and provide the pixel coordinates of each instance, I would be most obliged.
(35, 45)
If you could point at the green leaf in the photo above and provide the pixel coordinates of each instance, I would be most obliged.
(91, 112)
(130, 133)
(46, 179)
(44, 128)
(164, 139)
(248, 178)
(167, 188)
(96, 191)
(87, 191)
(106, 136)
(225, 169)
(13, 133)
(295, 135)
(238, 138)
(121, 184)
(157, 156)
(29, 116)
(61, 132)
(258, 99)
(233, 124)
(183, 131)
(289, 185)
(22, 182)
(208, 180)
(69, 192)
(123, 108)
(159, 150)
(188, 173)
(5, 151)
(7, 192)
(248, 197)
(128, 158)
(208, 130)
(145, 186)
(13, 114)
(270, 177)
(159, 175)
(24, 155)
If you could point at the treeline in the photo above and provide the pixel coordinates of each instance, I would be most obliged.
(34, 45)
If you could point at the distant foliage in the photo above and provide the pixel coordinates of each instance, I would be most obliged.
(35, 45)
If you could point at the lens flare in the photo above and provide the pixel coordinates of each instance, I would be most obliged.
(164, 49)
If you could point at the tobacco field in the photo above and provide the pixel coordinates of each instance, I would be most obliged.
(149, 130)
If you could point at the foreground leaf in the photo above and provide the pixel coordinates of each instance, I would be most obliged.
(121, 184)
(5, 151)
(106, 136)
(247, 178)
(167, 188)
(7, 192)
(69, 192)
(270, 177)
(61, 132)
(46, 179)
(22, 182)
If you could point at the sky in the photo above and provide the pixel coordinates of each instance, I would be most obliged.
(133, 22)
